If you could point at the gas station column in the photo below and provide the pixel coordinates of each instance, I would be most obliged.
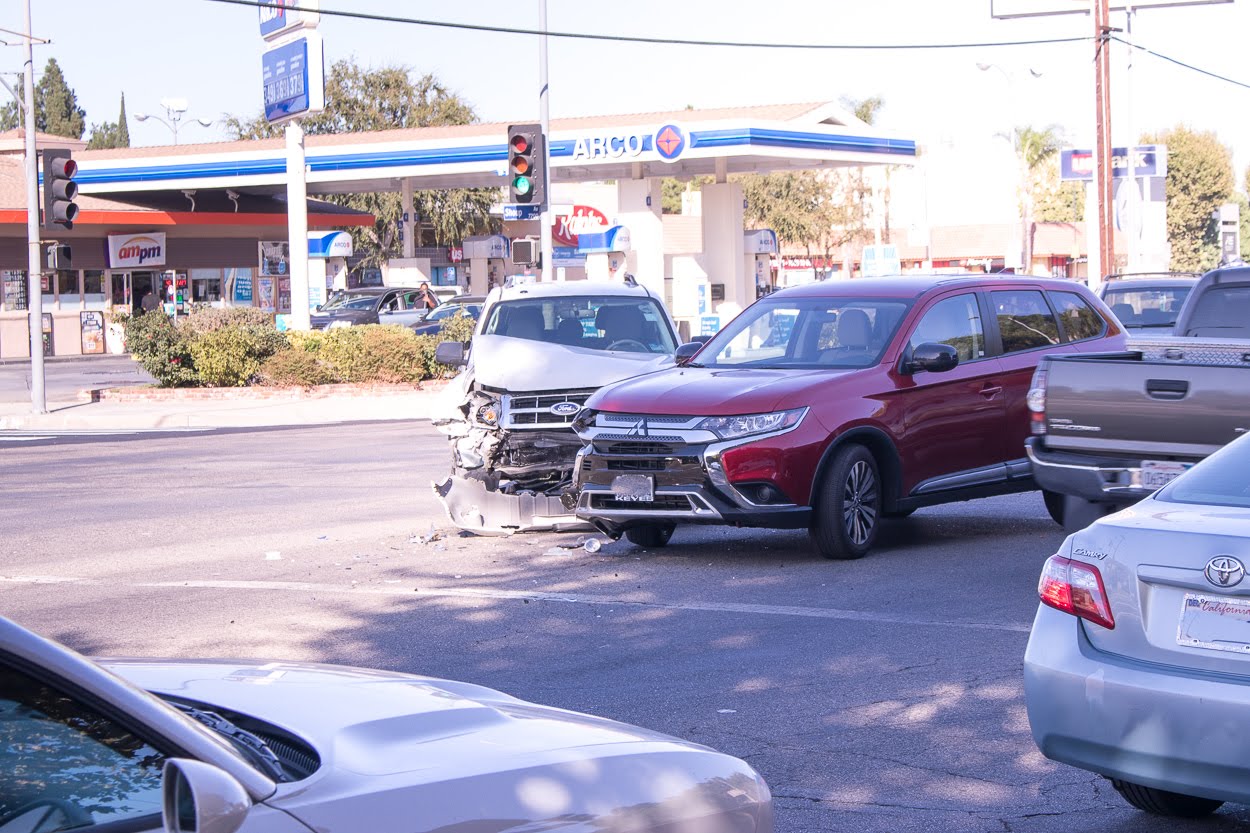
(722, 247)
(639, 210)
(408, 218)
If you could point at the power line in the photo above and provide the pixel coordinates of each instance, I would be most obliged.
(1181, 63)
(511, 30)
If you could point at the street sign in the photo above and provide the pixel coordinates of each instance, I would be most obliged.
(521, 212)
(293, 76)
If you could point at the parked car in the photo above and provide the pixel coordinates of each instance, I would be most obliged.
(1147, 303)
(539, 351)
(1110, 429)
(370, 305)
(470, 305)
(219, 745)
(1138, 659)
(832, 405)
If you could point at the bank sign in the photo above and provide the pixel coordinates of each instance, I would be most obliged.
(135, 251)
(1148, 160)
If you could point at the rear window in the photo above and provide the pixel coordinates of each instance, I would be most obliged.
(1221, 312)
(1219, 480)
(1145, 308)
(1080, 320)
(1025, 321)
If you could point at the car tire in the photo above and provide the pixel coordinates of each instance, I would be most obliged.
(1079, 513)
(651, 536)
(1054, 505)
(1164, 803)
(848, 506)
(898, 513)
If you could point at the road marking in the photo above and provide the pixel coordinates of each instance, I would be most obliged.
(538, 596)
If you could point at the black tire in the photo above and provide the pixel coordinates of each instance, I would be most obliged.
(651, 536)
(1164, 803)
(847, 510)
(1054, 505)
(898, 513)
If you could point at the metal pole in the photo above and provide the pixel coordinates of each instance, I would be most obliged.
(297, 224)
(34, 290)
(1133, 220)
(544, 117)
(1102, 151)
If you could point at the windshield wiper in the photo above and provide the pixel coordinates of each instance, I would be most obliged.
(249, 744)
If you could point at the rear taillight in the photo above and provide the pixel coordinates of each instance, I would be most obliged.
(1075, 587)
(1036, 400)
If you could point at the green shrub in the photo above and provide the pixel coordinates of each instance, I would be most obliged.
(162, 349)
(374, 353)
(456, 328)
(206, 319)
(231, 355)
(296, 366)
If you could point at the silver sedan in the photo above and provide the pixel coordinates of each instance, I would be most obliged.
(1138, 665)
(219, 745)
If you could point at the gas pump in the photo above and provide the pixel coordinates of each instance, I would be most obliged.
(605, 253)
(485, 255)
(759, 246)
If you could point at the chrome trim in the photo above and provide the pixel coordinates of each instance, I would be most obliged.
(700, 508)
(1111, 477)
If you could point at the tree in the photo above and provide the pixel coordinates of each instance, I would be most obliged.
(1034, 150)
(798, 206)
(1199, 181)
(56, 107)
(111, 134)
(1056, 200)
(363, 100)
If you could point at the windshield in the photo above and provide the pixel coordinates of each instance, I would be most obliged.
(1145, 307)
(809, 332)
(615, 322)
(1219, 480)
(345, 300)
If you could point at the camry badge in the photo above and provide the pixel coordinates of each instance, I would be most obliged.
(1225, 571)
(565, 408)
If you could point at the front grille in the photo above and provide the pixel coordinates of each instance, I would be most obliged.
(535, 409)
(662, 503)
(630, 464)
(641, 449)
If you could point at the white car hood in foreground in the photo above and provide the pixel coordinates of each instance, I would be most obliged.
(417, 753)
(519, 364)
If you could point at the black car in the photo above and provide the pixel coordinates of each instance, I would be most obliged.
(470, 305)
(370, 305)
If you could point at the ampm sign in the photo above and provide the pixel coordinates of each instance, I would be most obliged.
(1148, 160)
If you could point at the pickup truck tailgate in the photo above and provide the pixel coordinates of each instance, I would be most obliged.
(1149, 406)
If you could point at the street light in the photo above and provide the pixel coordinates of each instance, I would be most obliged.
(175, 109)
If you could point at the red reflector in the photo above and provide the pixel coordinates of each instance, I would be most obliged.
(1075, 587)
(520, 144)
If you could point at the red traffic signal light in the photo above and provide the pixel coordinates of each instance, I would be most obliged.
(527, 179)
(59, 190)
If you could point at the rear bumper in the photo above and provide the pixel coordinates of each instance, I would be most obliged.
(1148, 724)
(1103, 480)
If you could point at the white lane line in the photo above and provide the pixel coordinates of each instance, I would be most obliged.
(537, 596)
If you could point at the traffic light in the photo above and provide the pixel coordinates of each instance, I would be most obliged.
(59, 190)
(527, 167)
(60, 256)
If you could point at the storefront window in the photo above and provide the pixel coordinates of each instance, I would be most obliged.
(206, 286)
(238, 288)
(13, 288)
(67, 289)
(444, 275)
(93, 289)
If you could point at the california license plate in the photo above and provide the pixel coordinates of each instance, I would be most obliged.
(1220, 623)
(639, 488)
(1155, 474)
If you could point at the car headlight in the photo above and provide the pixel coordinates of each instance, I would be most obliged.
(339, 323)
(485, 409)
(732, 427)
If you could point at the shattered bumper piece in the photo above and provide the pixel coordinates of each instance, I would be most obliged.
(471, 506)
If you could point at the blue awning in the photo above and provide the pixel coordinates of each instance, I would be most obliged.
(324, 244)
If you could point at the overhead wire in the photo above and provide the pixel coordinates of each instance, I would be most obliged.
(1183, 64)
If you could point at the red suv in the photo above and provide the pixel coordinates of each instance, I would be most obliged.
(832, 405)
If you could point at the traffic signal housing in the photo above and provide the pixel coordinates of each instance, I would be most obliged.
(527, 165)
(59, 190)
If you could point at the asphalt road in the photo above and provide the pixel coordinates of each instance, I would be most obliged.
(64, 378)
(875, 695)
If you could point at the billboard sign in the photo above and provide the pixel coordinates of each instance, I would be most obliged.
(1148, 160)
(293, 79)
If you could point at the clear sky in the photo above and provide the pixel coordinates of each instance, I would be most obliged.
(209, 53)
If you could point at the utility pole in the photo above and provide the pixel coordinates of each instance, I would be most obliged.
(1102, 147)
(544, 117)
(34, 274)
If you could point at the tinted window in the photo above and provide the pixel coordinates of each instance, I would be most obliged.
(1080, 320)
(1145, 307)
(1220, 479)
(954, 321)
(1025, 321)
(631, 325)
(1221, 312)
(66, 765)
(345, 301)
(809, 332)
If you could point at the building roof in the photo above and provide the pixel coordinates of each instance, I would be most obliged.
(14, 141)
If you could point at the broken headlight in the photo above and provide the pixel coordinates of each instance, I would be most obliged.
(485, 410)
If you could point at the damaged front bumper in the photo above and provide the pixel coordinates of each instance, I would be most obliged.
(472, 506)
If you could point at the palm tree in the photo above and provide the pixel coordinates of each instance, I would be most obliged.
(1033, 147)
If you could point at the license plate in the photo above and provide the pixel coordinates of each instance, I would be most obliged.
(1155, 474)
(1220, 623)
(639, 488)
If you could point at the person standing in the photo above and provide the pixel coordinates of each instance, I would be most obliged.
(426, 296)
(150, 302)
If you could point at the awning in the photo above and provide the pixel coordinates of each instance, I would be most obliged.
(324, 244)
(615, 239)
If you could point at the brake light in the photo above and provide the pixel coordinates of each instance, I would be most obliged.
(1036, 400)
(1075, 587)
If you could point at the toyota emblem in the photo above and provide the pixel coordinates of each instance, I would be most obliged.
(1225, 571)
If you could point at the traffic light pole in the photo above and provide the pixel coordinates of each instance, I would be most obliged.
(34, 291)
(544, 117)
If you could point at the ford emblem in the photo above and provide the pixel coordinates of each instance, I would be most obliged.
(565, 408)
(1225, 571)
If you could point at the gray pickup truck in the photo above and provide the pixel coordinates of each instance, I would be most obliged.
(1108, 429)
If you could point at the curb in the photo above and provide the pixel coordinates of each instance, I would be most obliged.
(145, 393)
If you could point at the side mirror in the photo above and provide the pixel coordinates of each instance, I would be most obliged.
(935, 358)
(686, 352)
(450, 352)
(200, 798)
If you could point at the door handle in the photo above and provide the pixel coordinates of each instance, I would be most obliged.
(1167, 388)
(990, 391)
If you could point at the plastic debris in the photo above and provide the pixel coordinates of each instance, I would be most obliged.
(273, 555)
(592, 545)
(726, 711)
